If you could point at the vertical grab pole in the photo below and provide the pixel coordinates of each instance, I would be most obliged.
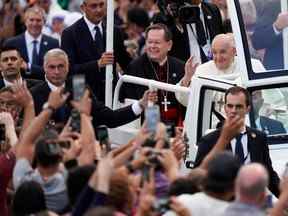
(109, 48)
(284, 7)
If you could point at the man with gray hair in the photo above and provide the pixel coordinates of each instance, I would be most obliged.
(56, 67)
(224, 62)
(250, 190)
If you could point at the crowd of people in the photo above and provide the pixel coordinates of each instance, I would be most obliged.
(53, 160)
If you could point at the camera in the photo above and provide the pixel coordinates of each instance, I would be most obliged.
(161, 205)
(182, 9)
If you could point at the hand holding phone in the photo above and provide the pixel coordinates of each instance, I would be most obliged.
(103, 137)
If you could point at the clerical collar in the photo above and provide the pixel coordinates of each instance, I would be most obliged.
(7, 83)
(157, 63)
(52, 86)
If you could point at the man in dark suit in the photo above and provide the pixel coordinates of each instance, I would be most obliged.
(268, 34)
(32, 44)
(250, 145)
(267, 125)
(10, 67)
(194, 39)
(84, 42)
(56, 67)
(155, 64)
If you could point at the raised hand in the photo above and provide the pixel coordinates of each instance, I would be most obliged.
(190, 68)
(84, 105)
(148, 95)
(21, 95)
(56, 98)
(281, 21)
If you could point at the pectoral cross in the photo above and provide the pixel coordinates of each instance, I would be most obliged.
(165, 103)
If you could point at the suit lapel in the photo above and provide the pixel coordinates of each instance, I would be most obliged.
(252, 144)
(83, 33)
(2, 84)
(43, 47)
(104, 34)
(24, 48)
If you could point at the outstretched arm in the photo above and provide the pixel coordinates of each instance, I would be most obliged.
(26, 144)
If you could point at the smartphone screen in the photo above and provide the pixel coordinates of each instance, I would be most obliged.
(78, 82)
(103, 136)
(152, 117)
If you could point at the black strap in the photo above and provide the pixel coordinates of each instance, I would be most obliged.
(201, 34)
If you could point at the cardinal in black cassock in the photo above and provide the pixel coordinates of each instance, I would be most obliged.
(171, 71)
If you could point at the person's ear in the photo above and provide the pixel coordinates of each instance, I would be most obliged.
(234, 51)
(248, 109)
(82, 7)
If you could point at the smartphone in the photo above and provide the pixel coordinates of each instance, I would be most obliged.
(2, 133)
(78, 83)
(75, 123)
(170, 129)
(152, 117)
(103, 136)
(145, 174)
(2, 137)
(64, 144)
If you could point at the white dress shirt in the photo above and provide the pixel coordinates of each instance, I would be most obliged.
(7, 83)
(91, 27)
(52, 86)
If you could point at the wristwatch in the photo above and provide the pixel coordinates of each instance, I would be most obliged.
(48, 107)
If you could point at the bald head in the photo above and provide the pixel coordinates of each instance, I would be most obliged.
(251, 183)
(223, 49)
